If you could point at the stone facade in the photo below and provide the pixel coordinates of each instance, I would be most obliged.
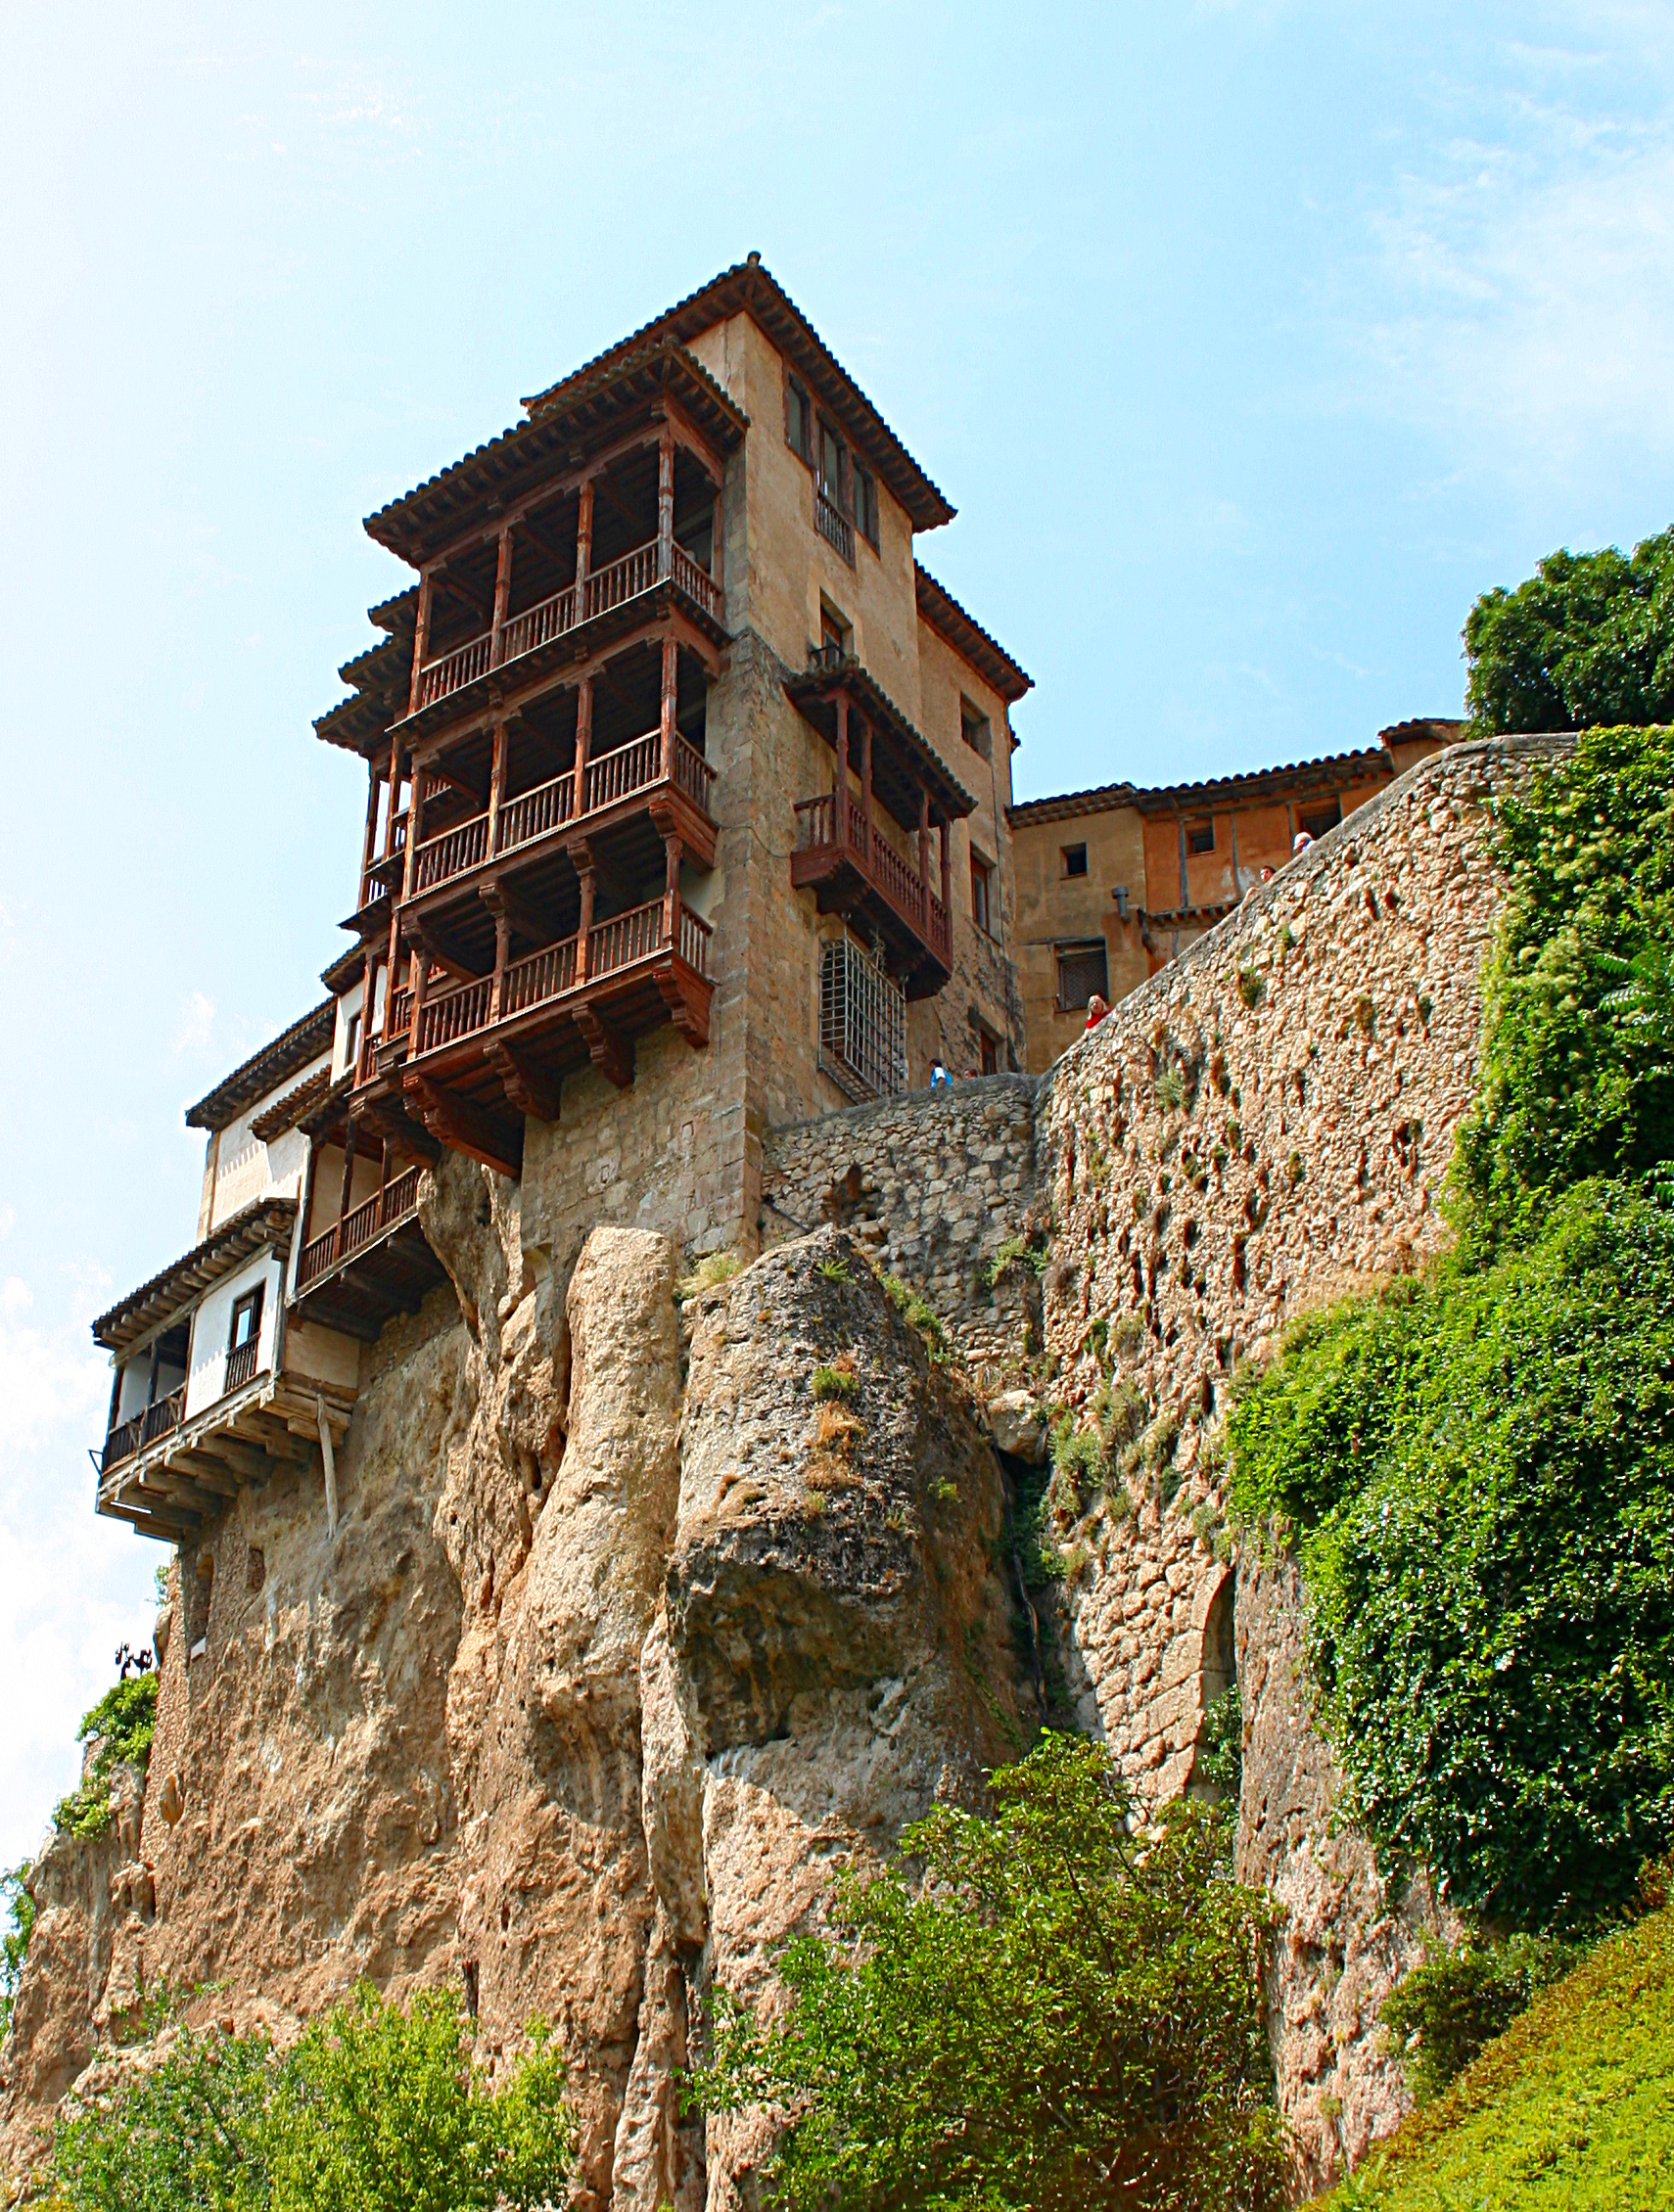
(931, 1185)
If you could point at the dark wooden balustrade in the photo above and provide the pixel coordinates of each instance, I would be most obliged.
(143, 1428)
(882, 866)
(384, 1209)
(241, 1368)
(607, 589)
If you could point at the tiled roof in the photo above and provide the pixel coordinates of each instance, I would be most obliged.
(948, 620)
(266, 1070)
(1166, 799)
(265, 1221)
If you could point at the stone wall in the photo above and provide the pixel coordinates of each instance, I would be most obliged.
(931, 1185)
(1262, 1128)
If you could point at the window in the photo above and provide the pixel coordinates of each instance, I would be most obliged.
(243, 1338)
(982, 884)
(834, 632)
(799, 419)
(974, 729)
(862, 1023)
(1319, 819)
(831, 464)
(1075, 859)
(866, 504)
(989, 1047)
(1083, 970)
(1200, 837)
(351, 1042)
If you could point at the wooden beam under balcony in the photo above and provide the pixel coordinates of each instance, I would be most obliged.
(465, 1125)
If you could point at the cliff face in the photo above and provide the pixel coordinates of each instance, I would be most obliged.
(623, 1641)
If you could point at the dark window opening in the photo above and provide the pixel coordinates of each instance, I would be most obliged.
(989, 1049)
(351, 1042)
(834, 632)
(1200, 837)
(1319, 819)
(243, 1339)
(982, 884)
(1075, 859)
(974, 729)
(1083, 972)
(831, 459)
(798, 419)
(866, 504)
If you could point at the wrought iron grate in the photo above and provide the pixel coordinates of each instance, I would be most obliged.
(862, 1023)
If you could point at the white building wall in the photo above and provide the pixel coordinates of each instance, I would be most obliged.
(347, 1006)
(212, 1324)
(246, 1168)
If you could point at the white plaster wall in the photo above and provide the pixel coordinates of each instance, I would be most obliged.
(212, 1321)
(246, 1168)
(347, 1006)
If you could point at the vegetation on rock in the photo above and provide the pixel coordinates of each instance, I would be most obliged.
(1056, 2011)
(121, 1725)
(1477, 1468)
(1569, 2107)
(20, 1908)
(374, 2110)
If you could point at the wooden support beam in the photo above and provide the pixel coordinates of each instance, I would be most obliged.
(670, 695)
(665, 498)
(610, 1050)
(502, 593)
(583, 740)
(465, 1125)
(841, 823)
(421, 646)
(509, 905)
(584, 539)
(531, 1090)
(497, 787)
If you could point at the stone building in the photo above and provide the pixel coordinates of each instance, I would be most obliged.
(687, 794)
(1113, 884)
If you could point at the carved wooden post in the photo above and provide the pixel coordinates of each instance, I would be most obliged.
(502, 598)
(348, 1176)
(496, 788)
(421, 984)
(583, 548)
(583, 739)
(665, 729)
(395, 896)
(840, 822)
(363, 1052)
(665, 499)
(584, 928)
(502, 953)
(671, 893)
(415, 829)
(924, 853)
(421, 639)
(369, 846)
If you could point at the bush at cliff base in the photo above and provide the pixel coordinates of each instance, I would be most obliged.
(1041, 2009)
(1570, 2107)
(1477, 1468)
(375, 2110)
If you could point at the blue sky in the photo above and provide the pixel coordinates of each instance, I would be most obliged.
(1252, 343)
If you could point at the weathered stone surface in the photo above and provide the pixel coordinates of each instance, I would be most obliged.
(1017, 1422)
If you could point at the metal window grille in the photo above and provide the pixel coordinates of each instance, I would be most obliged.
(1083, 969)
(862, 1023)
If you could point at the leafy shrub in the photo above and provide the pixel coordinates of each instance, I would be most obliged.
(375, 2110)
(1061, 2012)
(1170, 1089)
(1447, 2009)
(1077, 1463)
(14, 1945)
(124, 1723)
(1220, 1745)
(1017, 1252)
(1251, 985)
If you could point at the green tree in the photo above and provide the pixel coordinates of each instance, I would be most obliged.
(1059, 2010)
(374, 2110)
(20, 1908)
(1589, 639)
(123, 1725)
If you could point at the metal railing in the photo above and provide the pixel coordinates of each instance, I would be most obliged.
(384, 1209)
(834, 525)
(862, 1023)
(609, 588)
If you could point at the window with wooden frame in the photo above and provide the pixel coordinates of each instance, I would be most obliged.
(1083, 972)
(243, 1338)
(1316, 820)
(835, 634)
(974, 729)
(1075, 859)
(799, 419)
(351, 1043)
(866, 504)
(988, 1050)
(982, 892)
(1201, 836)
(834, 466)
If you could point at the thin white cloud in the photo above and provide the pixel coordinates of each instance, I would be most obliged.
(8, 1221)
(196, 1024)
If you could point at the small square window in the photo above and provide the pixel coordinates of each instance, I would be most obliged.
(1316, 820)
(1200, 837)
(1075, 859)
(974, 729)
(835, 634)
(246, 1321)
(982, 886)
(989, 1049)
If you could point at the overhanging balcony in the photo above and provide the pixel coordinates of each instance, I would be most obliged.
(370, 1264)
(633, 775)
(610, 598)
(854, 870)
(145, 1427)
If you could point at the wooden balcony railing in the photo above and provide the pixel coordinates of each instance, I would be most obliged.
(241, 1366)
(133, 1435)
(384, 1209)
(609, 777)
(606, 588)
(397, 1015)
(880, 863)
(552, 972)
(834, 525)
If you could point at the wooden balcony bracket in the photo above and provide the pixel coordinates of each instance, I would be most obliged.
(465, 1125)
(529, 1089)
(611, 1052)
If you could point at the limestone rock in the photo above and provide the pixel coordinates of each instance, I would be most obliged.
(1017, 1424)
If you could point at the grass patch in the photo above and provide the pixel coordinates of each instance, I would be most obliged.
(918, 1313)
(711, 1272)
(838, 1380)
(1570, 2108)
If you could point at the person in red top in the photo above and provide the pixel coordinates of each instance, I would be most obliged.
(1096, 1009)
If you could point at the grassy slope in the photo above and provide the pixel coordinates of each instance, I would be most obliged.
(1574, 2106)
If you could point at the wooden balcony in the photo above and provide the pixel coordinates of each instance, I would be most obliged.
(856, 871)
(372, 1264)
(556, 1010)
(633, 775)
(606, 598)
(145, 1427)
